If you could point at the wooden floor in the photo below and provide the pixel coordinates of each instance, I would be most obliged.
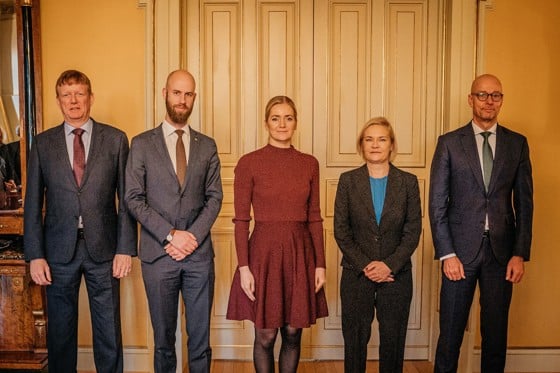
(226, 366)
(324, 366)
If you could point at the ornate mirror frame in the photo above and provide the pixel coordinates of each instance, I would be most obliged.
(30, 98)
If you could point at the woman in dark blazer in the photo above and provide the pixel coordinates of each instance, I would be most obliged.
(377, 224)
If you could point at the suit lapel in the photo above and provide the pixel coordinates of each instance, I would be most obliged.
(162, 152)
(499, 155)
(194, 157)
(61, 153)
(96, 143)
(471, 153)
(363, 190)
(394, 184)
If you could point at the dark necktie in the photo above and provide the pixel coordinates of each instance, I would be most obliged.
(181, 157)
(487, 158)
(79, 163)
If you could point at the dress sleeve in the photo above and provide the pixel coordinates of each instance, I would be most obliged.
(242, 191)
(314, 218)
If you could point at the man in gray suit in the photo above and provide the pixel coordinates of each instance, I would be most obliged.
(481, 213)
(76, 170)
(174, 190)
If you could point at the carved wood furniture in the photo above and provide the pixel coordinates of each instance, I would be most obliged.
(23, 315)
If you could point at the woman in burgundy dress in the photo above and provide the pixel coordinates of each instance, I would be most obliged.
(281, 267)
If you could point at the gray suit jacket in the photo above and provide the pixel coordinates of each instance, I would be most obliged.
(459, 202)
(356, 231)
(156, 199)
(108, 228)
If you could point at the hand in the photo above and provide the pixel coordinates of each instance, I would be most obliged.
(182, 245)
(320, 278)
(175, 253)
(453, 269)
(122, 265)
(378, 271)
(247, 282)
(184, 241)
(40, 272)
(10, 185)
(515, 269)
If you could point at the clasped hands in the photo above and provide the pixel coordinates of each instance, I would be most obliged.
(378, 271)
(183, 244)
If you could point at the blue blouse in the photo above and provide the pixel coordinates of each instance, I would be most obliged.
(378, 189)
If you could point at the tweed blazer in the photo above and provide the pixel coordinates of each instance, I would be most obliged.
(356, 231)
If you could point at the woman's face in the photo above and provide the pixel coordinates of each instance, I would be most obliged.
(281, 125)
(377, 145)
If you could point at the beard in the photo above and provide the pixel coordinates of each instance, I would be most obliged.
(180, 118)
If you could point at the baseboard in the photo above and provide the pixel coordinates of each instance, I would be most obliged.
(527, 360)
(135, 360)
(317, 353)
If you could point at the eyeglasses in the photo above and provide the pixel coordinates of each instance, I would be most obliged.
(483, 96)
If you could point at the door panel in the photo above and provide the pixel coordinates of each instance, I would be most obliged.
(342, 62)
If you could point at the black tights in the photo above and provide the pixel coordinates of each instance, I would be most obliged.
(263, 350)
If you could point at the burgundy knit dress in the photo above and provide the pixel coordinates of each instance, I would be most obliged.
(286, 245)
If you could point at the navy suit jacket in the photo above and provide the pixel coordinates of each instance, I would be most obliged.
(155, 197)
(108, 228)
(459, 201)
(356, 231)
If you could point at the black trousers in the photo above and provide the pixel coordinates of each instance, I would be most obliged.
(104, 304)
(455, 303)
(360, 298)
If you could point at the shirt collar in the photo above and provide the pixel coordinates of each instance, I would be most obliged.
(87, 127)
(478, 130)
(169, 130)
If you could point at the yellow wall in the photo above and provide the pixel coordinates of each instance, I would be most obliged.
(522, 48)
(105, 40)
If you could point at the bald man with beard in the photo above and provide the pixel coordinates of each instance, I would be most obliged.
(174, 190)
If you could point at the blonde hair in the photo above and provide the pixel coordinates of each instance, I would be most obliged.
(377, 121)
(276, 100)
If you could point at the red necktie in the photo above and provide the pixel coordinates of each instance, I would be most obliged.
(79, 164)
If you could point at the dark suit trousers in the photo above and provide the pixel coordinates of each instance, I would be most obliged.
(455, 302)
(62, 305)
(164, 279)
(360, 297)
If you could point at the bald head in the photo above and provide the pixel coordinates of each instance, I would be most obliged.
(179, 75)
(483, 79)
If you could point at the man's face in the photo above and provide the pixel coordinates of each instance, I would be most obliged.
(75, 103)
(179, 99)
(485, 112)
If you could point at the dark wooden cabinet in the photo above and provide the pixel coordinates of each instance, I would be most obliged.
(23, 314)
